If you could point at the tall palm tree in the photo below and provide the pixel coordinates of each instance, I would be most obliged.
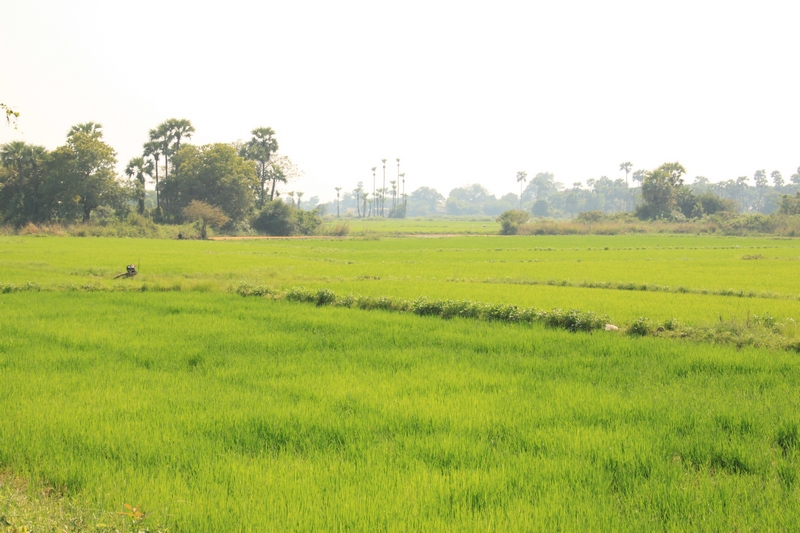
(398, 175)
(373, 185)
(260, 148)
(364, 196)
(13, 156)
(178, 129)
(275, 174)
(337, 201)
(627, 166)
(160, 136)
(393, 183)
(357, 194)
(405, 198)
(153, 149)
(137, 169)
(299, 198)
(383, 189)
(522, 177)
(27, 165)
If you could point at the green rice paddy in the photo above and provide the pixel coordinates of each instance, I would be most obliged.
(221, 413)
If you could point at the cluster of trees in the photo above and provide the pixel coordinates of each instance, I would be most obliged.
(242, 180)
(374, 204)
(66, 184)
(230, 182)
(659, 193)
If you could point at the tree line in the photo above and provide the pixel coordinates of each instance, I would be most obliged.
(246, 182)
(234, 182)
(661, 193)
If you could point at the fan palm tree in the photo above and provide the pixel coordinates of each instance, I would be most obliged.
(137, 169)
(153, 149)
(522, 177)
(160, 136)
(260, 149)
(357, 195)
(275, 174)
(383, 189)
(337, 201)
(364, 196)
(627, 166)
(92, 129)
(373, 185)
(178, 129)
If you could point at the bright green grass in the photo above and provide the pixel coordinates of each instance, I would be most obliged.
(420, 226)
(222, 413)
(694, 271)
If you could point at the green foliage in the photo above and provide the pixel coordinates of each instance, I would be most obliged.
(276, 218)
(204, 215)
(713, 204)
(511, 220)
(789, 205)
(214, 174)
(641, 326)
(306, 222)
(660, 191)
(279, 218)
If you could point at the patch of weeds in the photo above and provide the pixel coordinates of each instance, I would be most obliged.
(641, 326)
(248, 289)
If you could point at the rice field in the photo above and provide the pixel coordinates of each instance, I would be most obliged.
(214, 412)
(698, 280)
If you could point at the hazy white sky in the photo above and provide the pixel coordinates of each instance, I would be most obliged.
(460, 91)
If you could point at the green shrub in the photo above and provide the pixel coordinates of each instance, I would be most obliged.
(511, 220)
(325, 297)
(641, 326)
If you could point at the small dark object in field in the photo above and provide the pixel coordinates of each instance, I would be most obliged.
(130, 271)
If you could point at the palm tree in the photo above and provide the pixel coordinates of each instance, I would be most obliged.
(357, 194)
(383, 189)
(299, 199)
(398, 176)
(522, 177)
(742, 180)
(364, 196)
(160, 137)
(393, 183)
(260, 149)
(26, 163)
(291, 195)
(373, 184)
(13, 157)
(153, 149)
(777, 179)
(405, 198)
(92, 129)
(337, 201)
(627, 167)
(178, 129)
(137, 169)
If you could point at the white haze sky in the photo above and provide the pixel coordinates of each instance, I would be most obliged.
(462, 92)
